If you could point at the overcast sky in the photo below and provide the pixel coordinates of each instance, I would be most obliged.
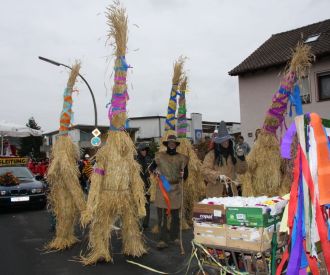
(216, 35)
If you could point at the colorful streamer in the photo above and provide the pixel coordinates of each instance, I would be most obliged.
(308, 211)
(66, 114)
(119, 100)
(165, 195)
(322, 159)
(182, 116)
(287, 141)
(171, 109)
(280, 99)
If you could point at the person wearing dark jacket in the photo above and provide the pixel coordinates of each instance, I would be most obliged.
(144, 159)
(173, 166)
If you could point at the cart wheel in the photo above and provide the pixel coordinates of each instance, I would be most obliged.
(207, 271)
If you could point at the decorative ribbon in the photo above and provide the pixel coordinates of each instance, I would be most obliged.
(120, 80)
(312, 263)
(119, 100)
(323, 160)
(312, 162)
(322, 228)
(277, 112)
(123, 65)
(287, 141)
(321, 224)
(295, 100)
(297, 258)
(297, 262)
(118, 104)
(99, 171)
(165, 194)
(66, 114)
(171, 109)
(182, 117)
(165, 182)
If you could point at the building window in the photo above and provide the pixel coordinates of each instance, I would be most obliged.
(305, 91)
(323, 85)
(312, 38)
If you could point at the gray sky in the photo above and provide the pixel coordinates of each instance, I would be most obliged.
(216, 35)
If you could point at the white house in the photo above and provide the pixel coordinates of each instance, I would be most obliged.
(259, 75)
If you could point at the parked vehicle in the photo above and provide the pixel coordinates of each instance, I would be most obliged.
(18, 186)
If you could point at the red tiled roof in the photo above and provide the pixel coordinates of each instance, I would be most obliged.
(277, 49)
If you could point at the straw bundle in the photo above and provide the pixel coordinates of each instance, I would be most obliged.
(194, 186)
(66, 196)
(117, 189)
(265, 166)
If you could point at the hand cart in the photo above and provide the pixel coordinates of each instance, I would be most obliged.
(213, 259)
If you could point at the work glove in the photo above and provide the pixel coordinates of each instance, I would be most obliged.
(221, 178)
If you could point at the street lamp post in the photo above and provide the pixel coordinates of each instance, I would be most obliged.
(90, 89)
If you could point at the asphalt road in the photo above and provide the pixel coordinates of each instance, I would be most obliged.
(24, 232)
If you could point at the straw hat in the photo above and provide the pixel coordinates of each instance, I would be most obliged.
(222, 134)
(171, 138)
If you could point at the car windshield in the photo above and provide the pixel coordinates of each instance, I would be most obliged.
(19, 172)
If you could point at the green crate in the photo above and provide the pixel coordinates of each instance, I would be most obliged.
(250, 217)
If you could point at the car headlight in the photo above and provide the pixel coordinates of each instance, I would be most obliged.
(36, 190)
(3, 192)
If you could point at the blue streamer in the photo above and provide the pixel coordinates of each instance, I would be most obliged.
(294, 98)
(165, 182)
(124, 66)
(304, 261)
(172, 127)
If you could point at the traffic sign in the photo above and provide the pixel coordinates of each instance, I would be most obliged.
(96, 141)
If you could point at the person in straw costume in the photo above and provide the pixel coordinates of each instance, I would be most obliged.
(66, 197)
(267, 173)
(171, 169)
(194, 186)
(221, 165)
(117, 189)
(169, 124)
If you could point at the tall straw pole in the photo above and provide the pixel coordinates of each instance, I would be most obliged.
(88, 86)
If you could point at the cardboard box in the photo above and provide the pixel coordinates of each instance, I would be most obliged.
(210, 234)
(247, 238)
(209, 213)
(250, 217)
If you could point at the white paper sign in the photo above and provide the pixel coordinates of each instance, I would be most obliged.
(217, 213)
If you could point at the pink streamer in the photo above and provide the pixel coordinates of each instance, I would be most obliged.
(118, 104)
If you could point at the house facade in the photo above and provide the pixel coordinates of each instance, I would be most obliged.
(259, 75)
(153, 127)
